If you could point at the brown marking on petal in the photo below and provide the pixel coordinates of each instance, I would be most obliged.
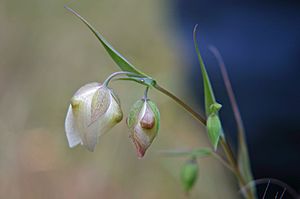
(140, 149)
(148, 121)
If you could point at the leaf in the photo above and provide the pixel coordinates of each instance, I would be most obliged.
(208, 91)
(214, 126)
(200, 153)
(115, 55)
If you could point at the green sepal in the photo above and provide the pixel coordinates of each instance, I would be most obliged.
(134, 113)
(155, 110)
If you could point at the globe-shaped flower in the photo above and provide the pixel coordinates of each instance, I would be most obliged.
(143, 122)
(94, 109)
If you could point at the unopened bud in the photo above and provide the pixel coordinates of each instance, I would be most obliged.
(143, 122)
(189, 174)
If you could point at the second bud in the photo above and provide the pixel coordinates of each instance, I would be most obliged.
(143, 121)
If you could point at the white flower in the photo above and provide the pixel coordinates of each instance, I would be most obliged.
(93, 111)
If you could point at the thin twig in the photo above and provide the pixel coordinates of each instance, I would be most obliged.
(237, 115)
(236, 111)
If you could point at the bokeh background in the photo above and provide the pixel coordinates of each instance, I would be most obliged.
(46, 54)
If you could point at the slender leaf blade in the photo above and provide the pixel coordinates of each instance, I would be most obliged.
(115, 55)
(214, 129)
(209, 96)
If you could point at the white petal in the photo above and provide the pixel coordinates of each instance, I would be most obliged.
(81, 108)
(103, 124)
(89, 128)
(87, 89)
(82, 114)
(72, 132)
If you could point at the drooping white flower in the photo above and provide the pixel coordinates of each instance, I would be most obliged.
(143, 122)
(94, 109)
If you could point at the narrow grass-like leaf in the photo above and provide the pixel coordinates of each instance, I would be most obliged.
(210, 101)
(115, 55)
(209, 96)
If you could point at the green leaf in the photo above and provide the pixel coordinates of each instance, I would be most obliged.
(213, 124)
(209, 96)
(244, 165)
(115, 55)
(214, 129)
(200, 153)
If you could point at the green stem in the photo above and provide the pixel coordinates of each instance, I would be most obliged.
(196, 115)
(109, 78)
(233, 165)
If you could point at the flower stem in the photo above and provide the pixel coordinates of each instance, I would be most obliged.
(232, 163)
(109, 78)
(196, 115)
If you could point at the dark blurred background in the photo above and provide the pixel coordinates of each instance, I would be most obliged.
(260, 44)
(46, 54)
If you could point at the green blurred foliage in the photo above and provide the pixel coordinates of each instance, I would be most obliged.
(46, 54)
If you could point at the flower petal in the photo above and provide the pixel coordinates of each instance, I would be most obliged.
(81, 106)
(71, 129)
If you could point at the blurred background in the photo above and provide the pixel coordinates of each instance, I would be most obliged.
(259, 41)
(46, 54)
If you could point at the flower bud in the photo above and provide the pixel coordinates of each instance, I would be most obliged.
(93, 111)
(189, 174)
(143, 122)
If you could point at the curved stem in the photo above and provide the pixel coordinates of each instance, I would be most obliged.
(196, 115)
(146, 93)
(109, 78)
